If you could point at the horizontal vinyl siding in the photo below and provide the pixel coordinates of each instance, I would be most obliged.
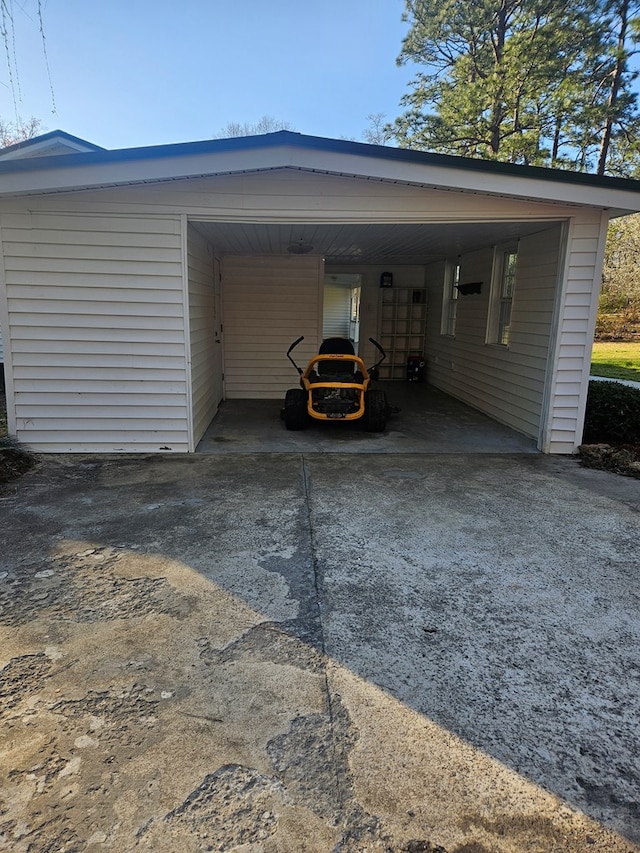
(96, 323)
(505, 383)
(268, 302)
(203, 346)
(308, 196)
(575, 333)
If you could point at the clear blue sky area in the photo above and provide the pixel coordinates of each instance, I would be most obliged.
(146, 72)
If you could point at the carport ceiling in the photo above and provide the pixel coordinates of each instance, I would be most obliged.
(359, 243)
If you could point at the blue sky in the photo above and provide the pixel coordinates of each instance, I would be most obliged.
(147, 72)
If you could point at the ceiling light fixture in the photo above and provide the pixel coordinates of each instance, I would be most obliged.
(300, 247)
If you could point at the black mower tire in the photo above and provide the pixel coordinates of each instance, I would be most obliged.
(375, 411)
(296, 416)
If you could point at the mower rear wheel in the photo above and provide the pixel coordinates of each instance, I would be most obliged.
(375, 411)
(295, 409)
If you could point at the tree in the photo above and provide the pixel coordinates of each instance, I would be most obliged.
(620, 293)
(378, 132)
(486, 63)
(542, 82)
(266, 124)
(618, 114)
(12, 132)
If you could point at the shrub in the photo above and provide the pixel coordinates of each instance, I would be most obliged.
(620, 326)
(613, 414)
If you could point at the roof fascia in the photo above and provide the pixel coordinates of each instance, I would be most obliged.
(287, 150)
(46, 141)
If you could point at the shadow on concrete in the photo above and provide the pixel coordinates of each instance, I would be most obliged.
(321, 653)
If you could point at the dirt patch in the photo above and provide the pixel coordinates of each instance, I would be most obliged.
(618, 458)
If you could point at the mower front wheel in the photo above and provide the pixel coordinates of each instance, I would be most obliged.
(375, 411)
(295, 409)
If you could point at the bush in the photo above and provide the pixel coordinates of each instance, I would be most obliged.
(613, 414)
(620, 326)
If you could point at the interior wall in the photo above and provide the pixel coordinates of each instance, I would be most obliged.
(505, 382)
(202, 318)
(268, 302)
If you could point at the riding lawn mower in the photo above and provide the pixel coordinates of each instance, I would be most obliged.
(335, 386)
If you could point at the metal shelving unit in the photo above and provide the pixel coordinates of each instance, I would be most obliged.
(403, 326)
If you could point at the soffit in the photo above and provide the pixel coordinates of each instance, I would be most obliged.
(365, 244)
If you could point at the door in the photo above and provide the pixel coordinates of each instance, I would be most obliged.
(218, 356)
(354, 317)
(341, 308)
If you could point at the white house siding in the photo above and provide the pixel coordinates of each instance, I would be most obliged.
(571, 355)
(290, 195)
(56, 277)
(268, 302)
(202, 312)
(506, 383)
(97, 330)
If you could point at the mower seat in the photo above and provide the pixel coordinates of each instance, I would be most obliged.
(336, 346)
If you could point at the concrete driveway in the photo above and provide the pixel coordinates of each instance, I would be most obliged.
(323, 652)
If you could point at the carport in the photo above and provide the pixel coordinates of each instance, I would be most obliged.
(416, 257)
(273, 277)
(143, 287)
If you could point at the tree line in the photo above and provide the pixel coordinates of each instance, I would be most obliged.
(536, 82)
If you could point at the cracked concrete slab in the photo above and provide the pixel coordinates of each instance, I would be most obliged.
(282, 652)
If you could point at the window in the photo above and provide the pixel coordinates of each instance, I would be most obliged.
(450, 298)
(503, 287)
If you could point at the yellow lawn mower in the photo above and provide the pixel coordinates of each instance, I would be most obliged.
(335, 386)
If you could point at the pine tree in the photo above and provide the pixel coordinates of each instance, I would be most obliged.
(543, 82)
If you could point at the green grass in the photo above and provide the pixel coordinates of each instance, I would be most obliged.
(616, 360)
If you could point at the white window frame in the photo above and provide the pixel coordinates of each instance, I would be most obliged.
(450, 294)
(503, 286)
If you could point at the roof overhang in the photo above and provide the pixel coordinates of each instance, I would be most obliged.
(286, 150)
(55, 143)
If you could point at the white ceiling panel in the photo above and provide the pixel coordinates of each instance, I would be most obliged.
(364, 244)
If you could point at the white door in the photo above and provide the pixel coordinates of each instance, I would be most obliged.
(218, 356)
(341, 313)
(354, 317)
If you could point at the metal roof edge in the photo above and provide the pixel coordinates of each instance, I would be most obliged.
(47, 137)
(286, 138)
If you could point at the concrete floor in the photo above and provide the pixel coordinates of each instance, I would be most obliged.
(332, 653)
(429, 422)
